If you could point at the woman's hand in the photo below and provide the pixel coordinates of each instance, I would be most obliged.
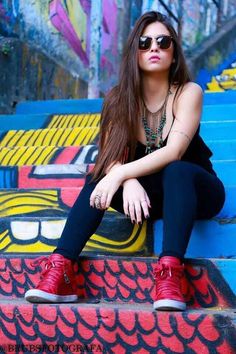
(135, 200)
(105, 189)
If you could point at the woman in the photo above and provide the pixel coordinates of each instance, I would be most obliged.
(151, 163)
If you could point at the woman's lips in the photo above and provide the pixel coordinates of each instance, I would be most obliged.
(154, 58)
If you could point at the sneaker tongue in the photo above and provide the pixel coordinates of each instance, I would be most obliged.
(170, 261)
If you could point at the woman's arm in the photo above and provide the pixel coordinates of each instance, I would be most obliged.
(188, 114)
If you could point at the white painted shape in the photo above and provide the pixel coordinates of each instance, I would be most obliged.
(52, 229)
(25, 230)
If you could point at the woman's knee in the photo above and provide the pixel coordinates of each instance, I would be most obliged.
(178, 171)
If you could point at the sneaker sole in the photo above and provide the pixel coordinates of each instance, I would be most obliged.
(169, 305)
(40, 296)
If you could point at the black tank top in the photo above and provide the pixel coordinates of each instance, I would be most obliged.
(197, 152)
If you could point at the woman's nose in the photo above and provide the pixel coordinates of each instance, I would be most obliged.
(154, 45)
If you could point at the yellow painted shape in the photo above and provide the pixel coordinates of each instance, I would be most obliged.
(24, 155)
(37, 247)
(5, 240)
(18, 203)
(78, 19)
(40, 247)
(230, 72)
(213, 86)
(48, 137)
(74, 120)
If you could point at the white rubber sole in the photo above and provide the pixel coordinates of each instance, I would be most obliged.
(169, 305)
(35, 295)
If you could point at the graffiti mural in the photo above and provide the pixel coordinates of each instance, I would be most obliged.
(131, 327)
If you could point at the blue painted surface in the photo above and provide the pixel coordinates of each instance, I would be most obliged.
(227, 97)
(8, 177)
(220, 112)
(209, 239)
(23, 121)
(226, 267)
(223, 150)
(219, 131)
(60, 106)
(226, 171)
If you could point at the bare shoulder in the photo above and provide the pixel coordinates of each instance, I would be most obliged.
(190, 94)
(191, 88)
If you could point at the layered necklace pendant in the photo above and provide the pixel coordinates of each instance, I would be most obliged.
(153, 131)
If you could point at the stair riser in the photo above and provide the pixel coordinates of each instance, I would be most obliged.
(114, 330)
(208, 239)
(218, 131)
(227, 98)
(219, 112)
(124, 280)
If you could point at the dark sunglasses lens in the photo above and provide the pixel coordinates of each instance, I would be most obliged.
(144, 43)
(164, 42)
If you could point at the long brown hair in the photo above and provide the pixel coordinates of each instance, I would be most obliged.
(122, 107)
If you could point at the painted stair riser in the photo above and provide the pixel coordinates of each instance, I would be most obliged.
(47, 155)
(40, 121)
(106, 329)
(49, 137)
(126, 280)
(218, 131)
(208, 239)
(223, 150)
(219, 112)
(227, 98)
(226, 171)
(72, 106)
(116, 235)
(94, 106)
(53, 155)
(39, 234)
(61, 199)
(85, 135)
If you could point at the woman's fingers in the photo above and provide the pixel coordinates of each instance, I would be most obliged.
(144, 204)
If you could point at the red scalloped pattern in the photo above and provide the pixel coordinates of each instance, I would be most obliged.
(117, 329)
(123, 281)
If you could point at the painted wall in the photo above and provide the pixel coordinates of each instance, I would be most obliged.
(63, 31)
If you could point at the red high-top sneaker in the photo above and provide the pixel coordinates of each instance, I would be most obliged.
(168, 274)
(57, 282)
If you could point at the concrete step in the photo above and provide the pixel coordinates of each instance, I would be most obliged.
(46, 199)
(223, 150)
(38, 232)
(226, 171)
(218, 131)
(219, 112)
(128, 280)
(46, 155)
(49, 137)
(67, 106)
(227, 97)
(44, 120)
(113, 328)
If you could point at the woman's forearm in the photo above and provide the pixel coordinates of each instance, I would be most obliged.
(149, 164)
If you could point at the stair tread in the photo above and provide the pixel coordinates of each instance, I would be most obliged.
(125, 279)
(115, 328)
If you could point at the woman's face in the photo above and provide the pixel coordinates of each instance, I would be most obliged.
(155, 59)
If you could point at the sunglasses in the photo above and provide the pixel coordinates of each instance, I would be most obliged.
(163, 42)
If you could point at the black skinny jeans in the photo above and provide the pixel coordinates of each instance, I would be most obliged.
(181, 193)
